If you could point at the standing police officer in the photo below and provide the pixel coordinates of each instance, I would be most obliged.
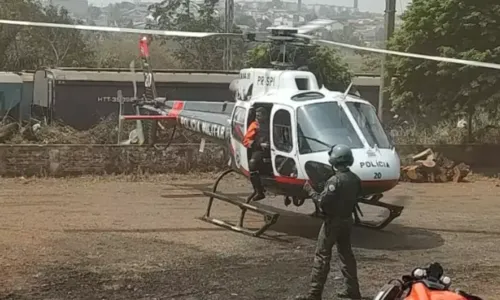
(337, 203)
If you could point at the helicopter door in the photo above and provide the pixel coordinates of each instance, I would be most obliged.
(283, 142)
(237, 133)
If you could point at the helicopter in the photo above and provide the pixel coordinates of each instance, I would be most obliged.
(306, 121)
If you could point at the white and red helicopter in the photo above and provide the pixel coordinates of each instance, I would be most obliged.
(306, 121)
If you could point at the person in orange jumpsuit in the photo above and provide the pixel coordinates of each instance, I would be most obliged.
(257, 139)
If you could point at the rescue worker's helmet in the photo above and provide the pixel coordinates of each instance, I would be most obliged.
(341, 155)
(261, 114)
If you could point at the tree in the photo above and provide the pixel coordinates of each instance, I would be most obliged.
(466, 29)
(264, 24)
(277, 4)
(185, 15)
(14, 9)
(371, 62)
(61, 47)
(247, 21)
(94, 12)
(346, 35)
(323, 62)
(36, 47)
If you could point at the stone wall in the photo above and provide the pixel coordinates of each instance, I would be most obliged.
(71, 160)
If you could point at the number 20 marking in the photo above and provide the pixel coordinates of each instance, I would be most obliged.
(377, 175)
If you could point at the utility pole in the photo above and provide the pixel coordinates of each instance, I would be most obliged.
(229, 17)
(385, 77)
(296, 17)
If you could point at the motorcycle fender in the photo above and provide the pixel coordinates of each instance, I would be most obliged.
(388, 292)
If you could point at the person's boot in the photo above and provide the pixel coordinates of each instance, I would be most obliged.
(257, 186)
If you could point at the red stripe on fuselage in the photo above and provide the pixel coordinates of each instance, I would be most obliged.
(382, 185)
(289, 180)
(177, 107)
(385, 184)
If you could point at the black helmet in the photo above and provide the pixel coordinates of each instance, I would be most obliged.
(341, 155)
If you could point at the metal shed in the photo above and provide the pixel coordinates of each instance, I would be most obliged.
(27, 95)
(81, 98)
(10, 93)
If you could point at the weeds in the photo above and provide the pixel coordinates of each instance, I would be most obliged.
(485, 130)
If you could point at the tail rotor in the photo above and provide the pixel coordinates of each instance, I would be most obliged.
(136, 136)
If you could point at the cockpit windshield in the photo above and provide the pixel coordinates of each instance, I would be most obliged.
(322, 125)
(367, 120)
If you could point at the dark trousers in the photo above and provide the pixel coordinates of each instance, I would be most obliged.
(335, 232)
(255, 161)
(254, 165)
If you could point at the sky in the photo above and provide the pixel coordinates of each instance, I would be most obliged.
(376, 6)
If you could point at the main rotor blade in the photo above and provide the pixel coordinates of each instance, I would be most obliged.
(314, 25)
(413, 55)
(121, 30)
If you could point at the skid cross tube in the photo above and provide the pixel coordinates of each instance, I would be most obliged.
(270, 217)
(394, 212)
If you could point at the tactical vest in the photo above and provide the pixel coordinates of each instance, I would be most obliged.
(347, 191)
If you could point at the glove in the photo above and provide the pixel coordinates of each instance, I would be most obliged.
(264, 145)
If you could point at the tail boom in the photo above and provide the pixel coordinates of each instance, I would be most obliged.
(209, 119)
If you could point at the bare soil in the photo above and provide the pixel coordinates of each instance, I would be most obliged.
(129, 238)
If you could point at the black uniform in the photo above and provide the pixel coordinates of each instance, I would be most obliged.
(337, 202)
(257, 135)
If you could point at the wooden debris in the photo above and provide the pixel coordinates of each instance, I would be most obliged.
(430, 166)
(7, 131)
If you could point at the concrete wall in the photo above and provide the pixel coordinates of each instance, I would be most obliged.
(68, 160)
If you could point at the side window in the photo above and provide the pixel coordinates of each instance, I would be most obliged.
(286, 166)
(238, 124)
(282, 131)
(2, 102)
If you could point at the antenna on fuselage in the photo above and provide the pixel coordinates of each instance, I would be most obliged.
(344, 96)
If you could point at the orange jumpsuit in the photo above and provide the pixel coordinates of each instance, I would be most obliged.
(251, 133)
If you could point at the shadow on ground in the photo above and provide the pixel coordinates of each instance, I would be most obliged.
(394, 237)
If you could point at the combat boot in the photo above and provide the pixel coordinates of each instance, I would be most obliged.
(257, 186)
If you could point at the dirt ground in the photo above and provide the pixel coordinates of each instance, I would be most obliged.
(125, 238)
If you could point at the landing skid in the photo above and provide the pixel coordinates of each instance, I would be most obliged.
(394, 212)
(270, 218)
